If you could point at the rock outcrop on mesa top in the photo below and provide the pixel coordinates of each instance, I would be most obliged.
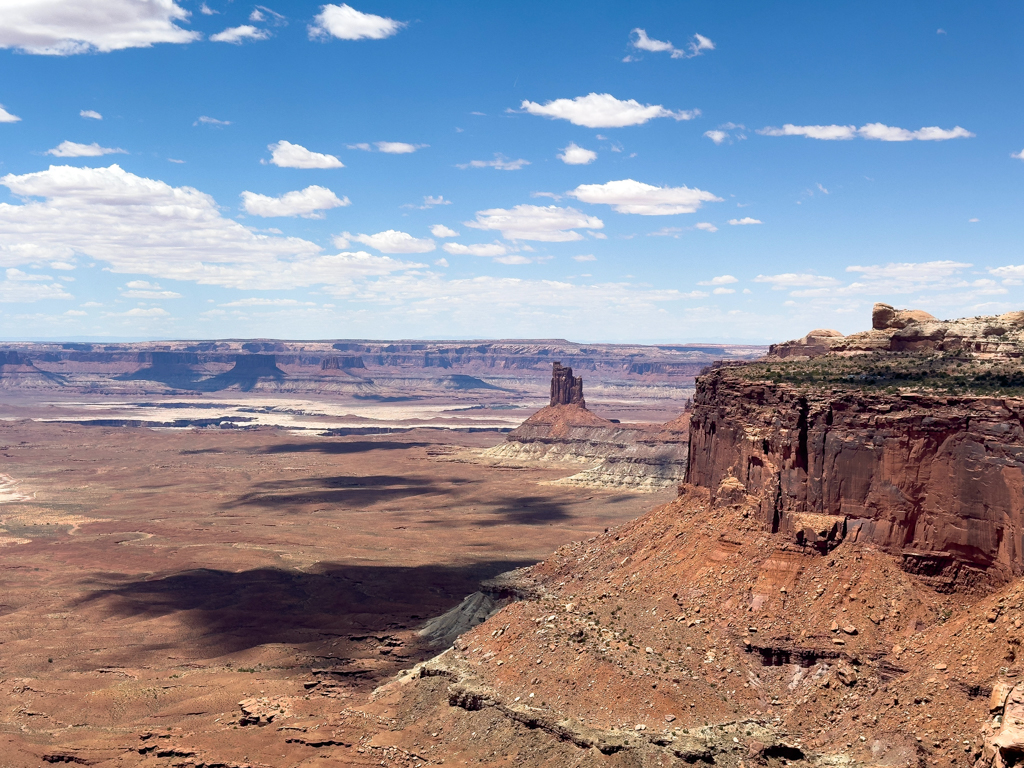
(566, 389)
(913, 330)
(636, 456)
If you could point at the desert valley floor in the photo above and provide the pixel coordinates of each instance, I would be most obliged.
(155, 578)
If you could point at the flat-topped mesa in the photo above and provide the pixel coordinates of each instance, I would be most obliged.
(566, 389)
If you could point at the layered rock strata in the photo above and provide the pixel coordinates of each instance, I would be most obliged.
(637, 456)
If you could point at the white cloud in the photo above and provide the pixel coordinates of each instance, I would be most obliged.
(307, 203)
(440, 230)
(238, 35)
(695, 47)
(602, 110)
(629, 196)
(21, 288)
(346, 23)
(430, 201)
(284, 154)
(140, 312)
(393, 241)
(746, 220)
(485, 249)
(585, 257)
(207, 120)
(973, 221)
(75, 313)
(442, 262)
(91, 114)
(718, 137)
(7, 117)
(574, 155)
(206, 10)
(720, 280)
(707, 226)
(876, 131)
(722, 291)
(65, 27)
(536, 222)
(792, 280)
(1018, 156)
(146, 227)
(500, 162)
(262, 13)
(514, 258)
(143, 289)
(388, 147)
(71, 149)
(262, 302)
(922, 272)
(397, 147)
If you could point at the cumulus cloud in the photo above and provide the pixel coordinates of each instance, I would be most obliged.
(238, 35)
(143, 289)
(91, 114)
(66, 27)
(500, 162)
(720, 280)
(718, 137)
(393, 241)
(629, 196)
(574, 155)
(388, 147)
(484, 249)
(793, 280)
(144, 226)
(307, 203)
(1018, 155)
(904, 273)
(7, 117)
(397, 147)
(723, 291)
(706, 226)
(284, 154)
(440, 230)
(207, 120)
(536, 222)
(346, 23)
(20, 287)
(602, 110)
(585, 257)
(71, 149)
(876, 131)
(429, 201)
(745, 221)
(697, 45)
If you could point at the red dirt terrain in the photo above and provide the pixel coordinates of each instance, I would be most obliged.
(154, 579)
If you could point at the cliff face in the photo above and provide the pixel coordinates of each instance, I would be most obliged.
(938, 481)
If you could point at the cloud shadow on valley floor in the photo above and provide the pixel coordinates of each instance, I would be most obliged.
(227, 612)
(347, 490)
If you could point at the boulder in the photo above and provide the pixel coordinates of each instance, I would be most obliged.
(885, 316)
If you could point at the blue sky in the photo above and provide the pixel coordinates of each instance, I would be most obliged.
(597, 171)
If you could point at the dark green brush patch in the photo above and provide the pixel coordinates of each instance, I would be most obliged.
(948, 372)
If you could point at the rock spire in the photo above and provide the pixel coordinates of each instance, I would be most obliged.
(566, 389)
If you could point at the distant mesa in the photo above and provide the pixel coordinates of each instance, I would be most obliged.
(461, 381)
(17, 371)
(341, 363)
(566, 389)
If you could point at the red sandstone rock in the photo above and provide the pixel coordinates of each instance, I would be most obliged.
(566, 389)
